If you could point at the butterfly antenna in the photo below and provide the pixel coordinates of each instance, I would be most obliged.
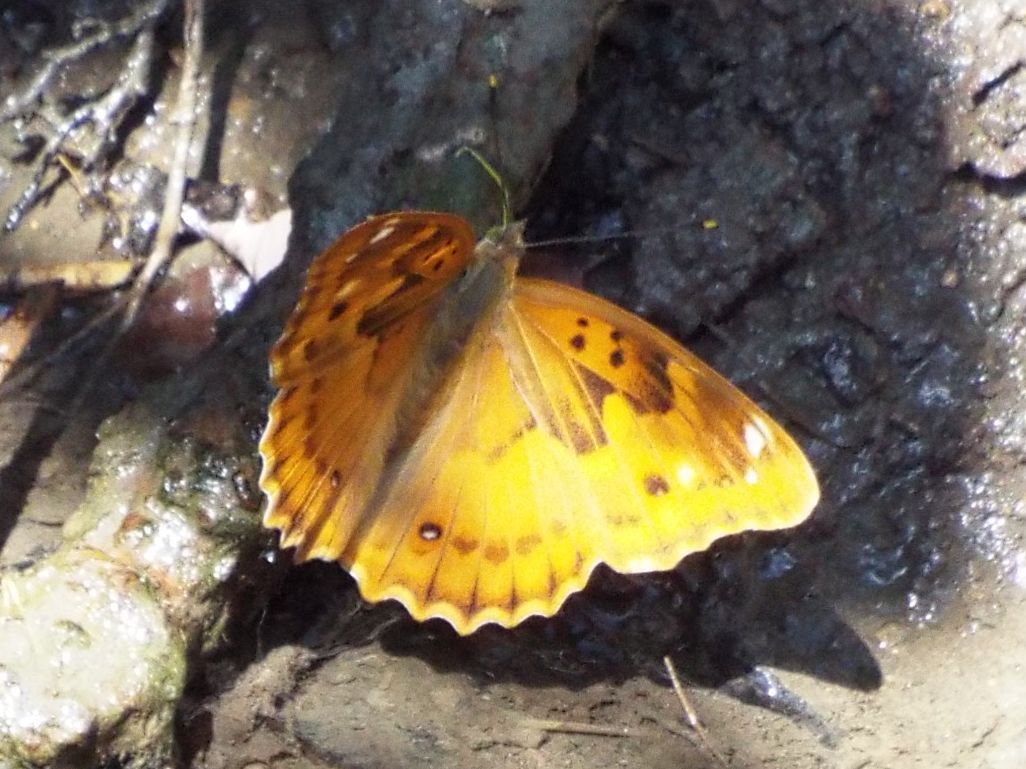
(631, 235)
(507, 209)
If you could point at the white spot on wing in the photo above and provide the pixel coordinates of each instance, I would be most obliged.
(383, 233)
(686, 474)
(348, 289)
(751, 477)
(755, 437)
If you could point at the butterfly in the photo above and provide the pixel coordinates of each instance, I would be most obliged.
(473, 444)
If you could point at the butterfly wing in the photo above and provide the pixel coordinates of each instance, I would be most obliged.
(341, 365)
(677, 454)
(575, 433)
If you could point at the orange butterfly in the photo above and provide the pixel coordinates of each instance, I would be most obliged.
(473, 444)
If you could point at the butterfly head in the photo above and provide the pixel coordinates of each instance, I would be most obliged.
(503, 244)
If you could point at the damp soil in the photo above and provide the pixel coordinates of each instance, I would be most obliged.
(822, 200)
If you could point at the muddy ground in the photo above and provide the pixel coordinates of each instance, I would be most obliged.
(825, 202)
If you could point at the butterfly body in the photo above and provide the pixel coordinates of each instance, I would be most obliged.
(473, 443)
(465, 312)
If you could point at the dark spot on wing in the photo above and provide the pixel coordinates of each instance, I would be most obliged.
(616, 335)
(656, 485)
(582, 322)
(429, 532)
(652, 391)
(496, 553)
(656, 364)
(500, 450)
(337, 309)
(596, 387)
(312, 417)
(464, 545)
(527, 543)
(577, 341)
(383, 314)
(430, 254)
(310, 446)
(281, 426)
(310, 350)
(282, 500)
(583, 440)
(616, 358)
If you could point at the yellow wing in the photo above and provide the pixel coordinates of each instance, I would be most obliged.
(573, 433)
(341, 366)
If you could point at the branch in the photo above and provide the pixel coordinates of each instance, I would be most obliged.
(105, 113)
(185, 118)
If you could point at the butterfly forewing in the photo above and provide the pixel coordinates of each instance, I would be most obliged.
(368, 279)
(341, 365)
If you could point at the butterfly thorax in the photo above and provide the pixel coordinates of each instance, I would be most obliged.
(464, 316)
(504, 243)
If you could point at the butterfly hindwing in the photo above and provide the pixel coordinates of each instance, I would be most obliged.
(462, 532)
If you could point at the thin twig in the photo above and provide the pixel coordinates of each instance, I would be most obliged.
(690, 715)
(184, 115)
(578, 727)
(18, 104)
(185, 118)
(104, 114)
(73, 277)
